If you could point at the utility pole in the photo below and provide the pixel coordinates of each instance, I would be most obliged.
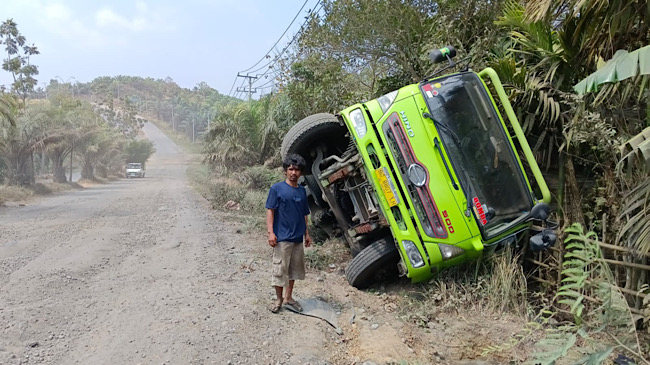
(250, 89)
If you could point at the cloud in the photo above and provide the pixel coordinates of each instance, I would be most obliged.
(57, 12)
(107, 18)
(96, 27)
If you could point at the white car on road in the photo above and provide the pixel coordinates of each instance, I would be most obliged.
(134, 169)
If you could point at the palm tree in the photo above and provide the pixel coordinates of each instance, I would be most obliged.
(32, 133)
(232, 138)
(553, 44)
(8, 107)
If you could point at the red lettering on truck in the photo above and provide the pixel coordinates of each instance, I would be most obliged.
(450, 227)
(480, 212)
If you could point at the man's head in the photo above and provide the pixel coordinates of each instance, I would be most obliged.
(293, 166)
(294, 160)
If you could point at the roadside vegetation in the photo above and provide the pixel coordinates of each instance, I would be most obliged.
(357, 50)
(589, 142)
(47, 133)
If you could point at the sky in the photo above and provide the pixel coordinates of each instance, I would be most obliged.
(191, 41)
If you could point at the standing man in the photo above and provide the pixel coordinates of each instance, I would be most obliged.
(287, 212)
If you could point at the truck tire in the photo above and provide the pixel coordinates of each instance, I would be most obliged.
(316, 129)
(376, 260)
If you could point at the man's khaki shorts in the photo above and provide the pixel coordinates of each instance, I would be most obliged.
(288, 263)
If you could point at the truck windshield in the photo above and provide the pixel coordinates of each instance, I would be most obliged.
(133, 166)
(479, 151)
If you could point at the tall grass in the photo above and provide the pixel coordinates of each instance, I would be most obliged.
(230, 192)
(495, 284)
(10, 193)
(14, 193)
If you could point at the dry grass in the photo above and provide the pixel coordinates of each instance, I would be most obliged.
(495, 284)
(22, 194)
(321, 256)
(14, 194)
(226, 193)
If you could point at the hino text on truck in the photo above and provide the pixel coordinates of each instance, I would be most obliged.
(425, 177)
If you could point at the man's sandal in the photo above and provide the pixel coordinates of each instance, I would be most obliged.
(294, 305)
(275, 308)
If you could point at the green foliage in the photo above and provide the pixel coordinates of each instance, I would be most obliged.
(360, 49)
(7, 109)
(246, 134)
(589, 294)
(318, 83)
(580, 265)
(259, 177)
(585, 274)
(138, 151)
(187, 111)
(391, 34)
(554, 346)
(634, 171)
(17, 61)
(19, 142)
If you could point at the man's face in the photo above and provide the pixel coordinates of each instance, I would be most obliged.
(293, 173)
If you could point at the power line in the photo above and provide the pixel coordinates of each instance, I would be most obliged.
(272, 62)
(279, 39)
(240, 86)
(233, 85)
(271, 81)
(277, 58)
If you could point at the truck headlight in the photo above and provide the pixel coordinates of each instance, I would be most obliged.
(387, 100)
(359, 122)
(413, 254)
(449, 251)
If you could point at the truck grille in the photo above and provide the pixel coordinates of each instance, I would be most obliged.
(424, 204)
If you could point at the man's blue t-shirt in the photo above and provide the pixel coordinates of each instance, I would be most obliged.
(290, 207)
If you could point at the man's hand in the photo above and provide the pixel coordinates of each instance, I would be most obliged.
(273, 240)
(307, 240)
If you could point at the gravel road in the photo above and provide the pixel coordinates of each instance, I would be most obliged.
(141, 271)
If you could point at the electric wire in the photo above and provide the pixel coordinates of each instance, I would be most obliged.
(302, 27)
(277, 58)
(271, 63)
(279, 39)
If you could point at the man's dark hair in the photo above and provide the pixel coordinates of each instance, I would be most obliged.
(294, 159)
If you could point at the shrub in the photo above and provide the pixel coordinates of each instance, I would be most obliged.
(221, 191)
(260, 177)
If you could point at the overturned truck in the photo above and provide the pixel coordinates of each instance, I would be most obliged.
(422, 178)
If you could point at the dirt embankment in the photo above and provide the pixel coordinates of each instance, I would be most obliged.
(143, 271)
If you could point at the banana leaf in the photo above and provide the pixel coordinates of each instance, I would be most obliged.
(622, 66)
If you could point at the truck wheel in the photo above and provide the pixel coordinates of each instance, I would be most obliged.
(373, 263)
(321, 128)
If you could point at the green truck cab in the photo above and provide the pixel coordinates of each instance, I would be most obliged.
(422, 178)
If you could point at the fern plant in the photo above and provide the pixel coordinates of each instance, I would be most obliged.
(580, 264)
(597, 305)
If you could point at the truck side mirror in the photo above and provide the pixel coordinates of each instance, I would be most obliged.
(540, 211)
(439, 55)
(543, 240)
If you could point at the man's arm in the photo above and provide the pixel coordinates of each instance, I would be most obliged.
(273, 240)
(307, 237)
